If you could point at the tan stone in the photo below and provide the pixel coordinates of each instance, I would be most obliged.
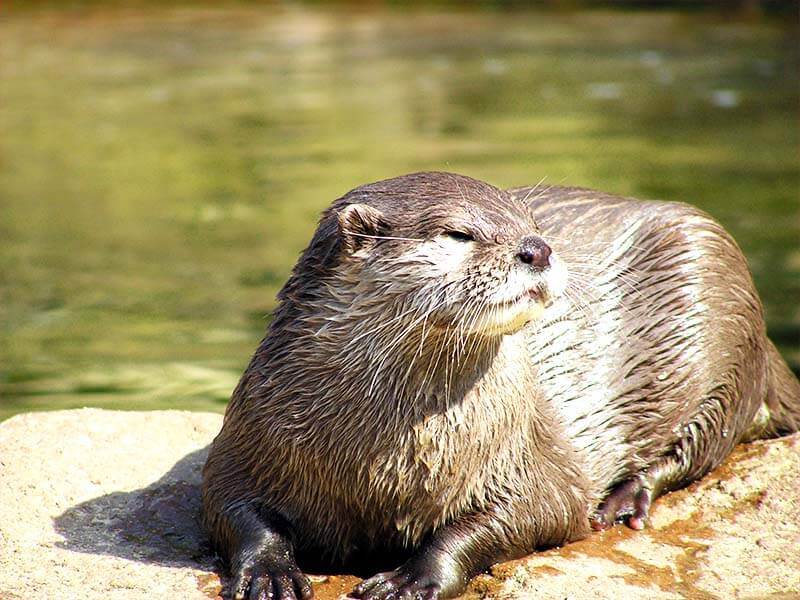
(103, 504)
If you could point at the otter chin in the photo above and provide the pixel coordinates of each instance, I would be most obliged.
(457, 375)
(508, 316)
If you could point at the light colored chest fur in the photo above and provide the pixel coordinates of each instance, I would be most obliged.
(449, 457)
(399, 468)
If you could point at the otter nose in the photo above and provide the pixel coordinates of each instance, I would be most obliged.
(534, 252)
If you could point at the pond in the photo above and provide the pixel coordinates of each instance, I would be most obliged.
(161, 168)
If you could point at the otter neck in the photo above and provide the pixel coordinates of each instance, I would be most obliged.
(402, 361)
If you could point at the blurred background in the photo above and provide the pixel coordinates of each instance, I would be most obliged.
(162, 167)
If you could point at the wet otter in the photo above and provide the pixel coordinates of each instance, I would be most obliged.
(444, 378)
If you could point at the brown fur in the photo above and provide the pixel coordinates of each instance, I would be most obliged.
(679, 363)
(382, 412)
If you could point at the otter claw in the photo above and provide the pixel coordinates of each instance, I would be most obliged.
(397, 585)
(629, 502)
(260, 582)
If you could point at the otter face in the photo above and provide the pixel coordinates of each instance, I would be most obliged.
(485, 287)
(456, 253)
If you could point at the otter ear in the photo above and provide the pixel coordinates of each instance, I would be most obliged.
(359, 225)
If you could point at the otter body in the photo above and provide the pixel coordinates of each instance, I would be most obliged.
(463, 374)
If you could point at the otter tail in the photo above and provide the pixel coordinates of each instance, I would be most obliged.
(780, 414)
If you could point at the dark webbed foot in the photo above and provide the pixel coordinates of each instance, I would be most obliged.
(426, 576)
(629, 502)
(397, 585)
(267, 574)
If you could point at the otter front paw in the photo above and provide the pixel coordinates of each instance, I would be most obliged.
(264, 576)
(431, 574)
(400, 584)
(629, 502)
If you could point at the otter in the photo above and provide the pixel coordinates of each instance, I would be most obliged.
(459, 375)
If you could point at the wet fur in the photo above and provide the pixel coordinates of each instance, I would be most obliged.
(363, 425)
(696, 373)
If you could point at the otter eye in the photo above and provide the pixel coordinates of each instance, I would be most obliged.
(460, 236)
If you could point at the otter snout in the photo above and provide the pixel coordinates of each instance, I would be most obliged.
(535, 252)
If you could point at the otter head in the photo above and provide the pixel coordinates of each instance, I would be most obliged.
(447, 250)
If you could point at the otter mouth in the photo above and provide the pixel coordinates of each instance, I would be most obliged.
(510, 316)
(538, 294)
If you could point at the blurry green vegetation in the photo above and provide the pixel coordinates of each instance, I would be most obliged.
(161, 168)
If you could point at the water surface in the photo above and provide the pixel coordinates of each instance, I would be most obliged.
(160, 169)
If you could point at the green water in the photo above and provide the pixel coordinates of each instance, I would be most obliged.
(160, 169)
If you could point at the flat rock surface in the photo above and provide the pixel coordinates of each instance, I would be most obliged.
(101, 504)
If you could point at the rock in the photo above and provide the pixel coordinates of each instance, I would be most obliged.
(733, 534)
(102, 504)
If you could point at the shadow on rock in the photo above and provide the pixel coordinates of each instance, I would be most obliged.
(157, 524)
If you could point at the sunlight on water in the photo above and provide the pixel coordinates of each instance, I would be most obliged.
(160, 169)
